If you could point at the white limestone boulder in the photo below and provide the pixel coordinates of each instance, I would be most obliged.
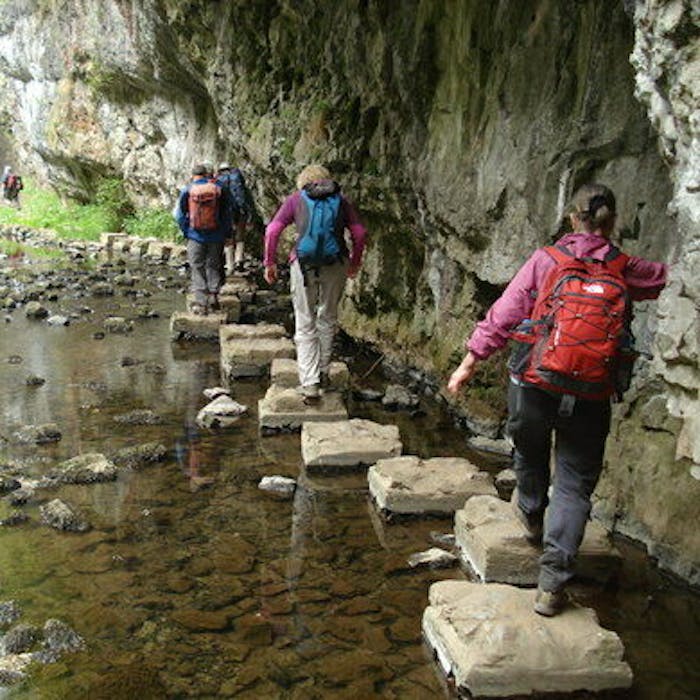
(221, 412)
(494, 645)
(285, 372)
(188, 326)
(284, 409)
(492, 543)
(348, 443)
(438, 485)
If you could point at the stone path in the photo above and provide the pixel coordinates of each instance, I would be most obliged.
(485, 635)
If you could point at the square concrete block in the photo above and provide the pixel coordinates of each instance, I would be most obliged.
(491, 541)
(285, 372)
(251, 357)
(348, 443)
(438, 485)
(238, 331)
(188, 326)
(159, 250)
(284, 409)
(489, 639)
(108, 239)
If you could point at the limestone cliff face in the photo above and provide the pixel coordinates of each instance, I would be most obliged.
(460, 128)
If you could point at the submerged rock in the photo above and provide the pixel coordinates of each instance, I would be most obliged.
(118, 324)
(278, 484)
(61, 516)
(37, 434)
(88, 468)
(59, 637)
(58, 320)
(34, 309)
(433, 558)
(222, 412)
(34, 380)
(9, 612)
(139, 417)
(147, 453)
(399, 398)
(20, 638)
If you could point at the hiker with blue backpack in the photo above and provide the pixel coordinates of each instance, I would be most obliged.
(232, 180)
(568, 309)
(320, 262)
(203, 213)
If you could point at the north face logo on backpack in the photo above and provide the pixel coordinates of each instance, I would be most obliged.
(573, 342)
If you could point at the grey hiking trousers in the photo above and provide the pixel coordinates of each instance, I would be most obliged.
(206, 268)
(534, 415)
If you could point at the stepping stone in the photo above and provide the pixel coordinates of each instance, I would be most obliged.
(491, 641)
(108, 239)
(492, 543)
(159, 250)
(437, 485)
(284, 409)
(247, 350)
(238, 285)
(348, 443)
(189, 326)
(284, 372)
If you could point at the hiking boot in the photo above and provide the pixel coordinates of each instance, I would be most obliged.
(213, 303)
(533, 523)
(325, 380)
(549, 603)
(198, 309)
(310, 391)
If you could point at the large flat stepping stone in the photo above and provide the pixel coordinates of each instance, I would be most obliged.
(437, 485)
(492, 543)
(349, 443)
(284, 409)
(494, 645)
(189, 326)
(285, 372)
(247, 350)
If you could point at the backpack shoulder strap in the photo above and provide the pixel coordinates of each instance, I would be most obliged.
(558, 253)
(616, 260)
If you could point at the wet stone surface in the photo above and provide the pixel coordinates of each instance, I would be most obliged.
(192, 582)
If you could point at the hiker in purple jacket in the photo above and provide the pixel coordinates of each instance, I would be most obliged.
(534, 413)
(316, 292)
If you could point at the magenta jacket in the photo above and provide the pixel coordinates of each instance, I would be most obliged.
(645, 280)
(285, 216)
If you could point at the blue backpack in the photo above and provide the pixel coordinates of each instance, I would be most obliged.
(319, 224)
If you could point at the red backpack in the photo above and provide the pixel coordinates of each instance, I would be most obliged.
(577, 339)
(203, 206)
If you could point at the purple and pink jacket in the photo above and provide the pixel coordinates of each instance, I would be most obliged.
(645, 280)
(285, 216)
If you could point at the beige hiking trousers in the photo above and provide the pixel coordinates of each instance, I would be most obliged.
(315, 303)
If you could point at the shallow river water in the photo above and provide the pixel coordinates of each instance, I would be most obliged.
(194, 583)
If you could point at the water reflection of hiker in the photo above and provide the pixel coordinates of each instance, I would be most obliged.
(320, 264)
(203, 213)
(11, 186)
(231, 179)
(195, 459)
(569, 303)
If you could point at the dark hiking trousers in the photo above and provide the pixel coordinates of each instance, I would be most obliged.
(206, 268)
(534, 415)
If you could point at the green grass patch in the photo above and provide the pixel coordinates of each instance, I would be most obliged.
(11, 248)
(111, 211)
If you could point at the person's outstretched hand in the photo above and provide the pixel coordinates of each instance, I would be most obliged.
(462, 374)
(270, 274)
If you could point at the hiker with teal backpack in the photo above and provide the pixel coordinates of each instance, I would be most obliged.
(203, 213)
(568, 309)
(320, 262)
